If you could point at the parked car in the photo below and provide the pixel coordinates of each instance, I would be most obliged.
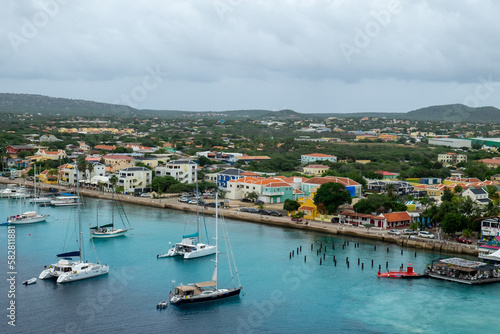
(259, 202)
(425, 234)
(296, 219)
(244, 209)
(145, 195)
(409, 232)
(254, 210)
(246, 200)
(482, 242)
(463, 240)
(183, 199)
(265, 212)
(214, 204)
(275, 213)
(192, 201)
(394, 232)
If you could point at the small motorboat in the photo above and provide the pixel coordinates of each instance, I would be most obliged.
(409, 273)
(30, 281)
(162, 305)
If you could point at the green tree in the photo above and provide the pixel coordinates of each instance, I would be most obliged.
(452, 222)
(253, 196)
(332, 195)
(291, 205)
(447, 195)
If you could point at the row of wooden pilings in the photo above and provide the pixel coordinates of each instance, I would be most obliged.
(323, 250)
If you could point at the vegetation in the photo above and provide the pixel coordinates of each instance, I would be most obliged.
(331, 196)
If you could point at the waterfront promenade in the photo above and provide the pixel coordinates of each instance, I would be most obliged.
(169, 201)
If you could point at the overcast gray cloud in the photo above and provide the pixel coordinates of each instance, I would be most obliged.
(310, 56)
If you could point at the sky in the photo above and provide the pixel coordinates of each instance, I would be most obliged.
(329, 56)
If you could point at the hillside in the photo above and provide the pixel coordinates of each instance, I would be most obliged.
(45, 105)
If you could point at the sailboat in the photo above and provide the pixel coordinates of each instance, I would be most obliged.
(210, 290)
(190, 247)
(66, 270)
(28, 217)
(109, 230)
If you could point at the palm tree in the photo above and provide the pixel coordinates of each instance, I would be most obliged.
(51, 173)
(390, 190)
(113, 180)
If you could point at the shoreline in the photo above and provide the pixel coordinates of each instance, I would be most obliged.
(170, 202)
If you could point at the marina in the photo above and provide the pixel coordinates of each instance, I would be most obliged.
(126, 299)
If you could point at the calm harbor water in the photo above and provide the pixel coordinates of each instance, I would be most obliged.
(281, 295)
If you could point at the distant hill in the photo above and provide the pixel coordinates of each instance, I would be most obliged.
(45, 105)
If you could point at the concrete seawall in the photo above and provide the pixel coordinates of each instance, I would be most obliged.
(322, 227)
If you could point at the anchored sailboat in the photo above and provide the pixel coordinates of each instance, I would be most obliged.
(109, 230)
(66, 270)
(28, 217)
(210, 290)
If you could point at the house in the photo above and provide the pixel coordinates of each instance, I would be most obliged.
(315, 169)
(270, 190)
(47, 177)
(478, 195)
(227, 175)
(490, 227)
(308, 158)
(451, 158)
(353, 187)
(15, 149)
(48, 139)
(248, 158)
(118, 161)
(387, 175)
(495, 177)
(67, 173)
(132, 178)
(382, 221)
(491, 163)
(105, 147)
(183, 171)
(43, 155)
(148, 161)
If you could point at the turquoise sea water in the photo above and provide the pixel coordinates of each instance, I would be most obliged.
(280, 295)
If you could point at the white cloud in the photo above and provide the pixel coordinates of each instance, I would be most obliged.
(275, 53)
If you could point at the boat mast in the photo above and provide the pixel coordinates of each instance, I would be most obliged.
(197, 205)
(80, 234)
(113, 209)
(216, 240)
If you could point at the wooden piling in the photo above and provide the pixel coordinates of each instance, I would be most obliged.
(304, 258)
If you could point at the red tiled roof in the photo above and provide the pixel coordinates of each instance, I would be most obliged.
(397, 216)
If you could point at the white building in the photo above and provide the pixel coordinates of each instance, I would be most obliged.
(68, 173)
(132, 178)
(183, 171)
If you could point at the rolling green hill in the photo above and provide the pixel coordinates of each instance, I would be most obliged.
(45, 105)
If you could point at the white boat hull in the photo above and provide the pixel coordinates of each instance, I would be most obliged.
(79, 271)
(109, 234)
(207, 250)
(31, 220)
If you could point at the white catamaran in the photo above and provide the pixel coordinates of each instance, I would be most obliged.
(209, 291)
(67, 270)
(190, 247)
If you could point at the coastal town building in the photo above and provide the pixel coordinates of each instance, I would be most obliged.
(44, 155)
(230, 174)
(118, 161)
(478, 195)
(353, 187)
(183, 171)
(67, 173)
(315, 169)
(382, 221)
(452, 158)
(309, 158)
(133, 178)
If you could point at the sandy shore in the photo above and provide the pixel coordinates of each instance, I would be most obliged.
(170, 202)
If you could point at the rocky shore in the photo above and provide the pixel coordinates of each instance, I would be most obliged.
(170, 202)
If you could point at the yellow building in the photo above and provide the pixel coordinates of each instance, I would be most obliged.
(315, 169)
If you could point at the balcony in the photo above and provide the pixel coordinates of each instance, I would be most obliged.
(268, 193)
